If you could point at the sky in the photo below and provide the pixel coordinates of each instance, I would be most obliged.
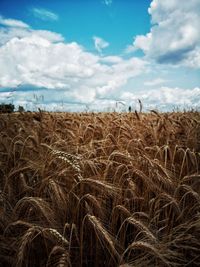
(100, 55)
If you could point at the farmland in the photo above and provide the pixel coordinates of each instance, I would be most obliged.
(100, 189)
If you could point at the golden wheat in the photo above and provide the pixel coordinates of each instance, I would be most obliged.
(100, 189)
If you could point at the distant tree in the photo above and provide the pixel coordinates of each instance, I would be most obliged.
(21, 109)
(6, 108)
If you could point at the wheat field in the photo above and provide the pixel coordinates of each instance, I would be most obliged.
(100, 189)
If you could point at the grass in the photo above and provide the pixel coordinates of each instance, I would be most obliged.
(104, 189)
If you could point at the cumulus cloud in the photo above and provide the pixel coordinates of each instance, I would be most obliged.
(41, 59)
(99, 43)
(44, 14)
(129, 49)
(14, 31)
(69, 77)
(35, 60)
(175, 33)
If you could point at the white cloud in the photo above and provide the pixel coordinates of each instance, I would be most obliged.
(175, 34)
(129, 49)
(143, 42)
(42, 59)
(16, 29)
(100, 44)
(13, 23)
(111, 59)
(37, 61)
(6, 95)
(155, 82)
(165, 98)
(43, 62)
(44, 14)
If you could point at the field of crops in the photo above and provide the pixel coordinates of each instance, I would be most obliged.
(105, 189)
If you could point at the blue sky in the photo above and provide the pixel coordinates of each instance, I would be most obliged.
(79, 20)
(73, 55)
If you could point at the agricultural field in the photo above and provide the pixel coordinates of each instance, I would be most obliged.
(100, 189)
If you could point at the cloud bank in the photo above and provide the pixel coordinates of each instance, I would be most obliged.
(42, 59)
(175, 33)
(165, 98)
